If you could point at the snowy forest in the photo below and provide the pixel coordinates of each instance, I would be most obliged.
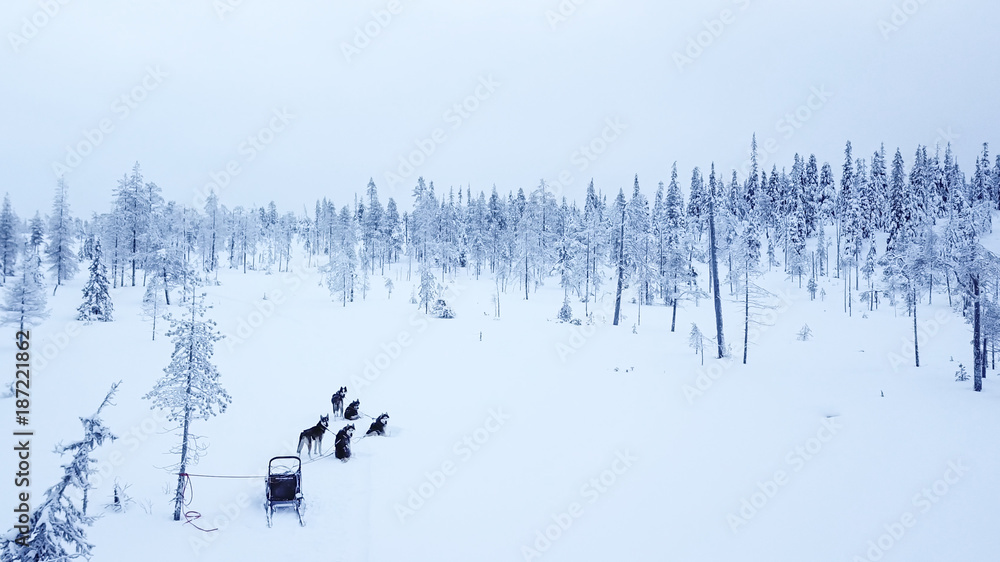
(895, 230)
(891, 230)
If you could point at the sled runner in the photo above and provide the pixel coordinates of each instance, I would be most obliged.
(284, 486)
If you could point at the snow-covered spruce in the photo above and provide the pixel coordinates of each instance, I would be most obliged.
(8, 239)
(97, 303)
(565, 311)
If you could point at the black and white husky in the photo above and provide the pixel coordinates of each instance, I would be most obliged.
(314, 433)
(378, 426)
(353, 411)
(338, 402)
(343, 442)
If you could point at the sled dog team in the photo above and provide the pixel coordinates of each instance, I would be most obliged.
(342, 442)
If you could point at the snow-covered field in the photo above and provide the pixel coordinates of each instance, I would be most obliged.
(524, 438)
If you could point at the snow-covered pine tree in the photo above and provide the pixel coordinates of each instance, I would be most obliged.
(697, 208)
(677, 251)
(638, 246)
(341, 272)
(845, 200)
(827, 198)
(392, 232)
(57, 524)
(900, 225)
(36, 229)
(154, 300)
(810, 194)
(795, 265)
(212, 238)
(568, 255)
(97, 303)
(822, 252)
(566, 311)
(696, 340)
(372, 244)
(593, 240)
(62, 260)
(133, 214)
(189, 389)
(24, 301)
(8, 239)
(428, 287)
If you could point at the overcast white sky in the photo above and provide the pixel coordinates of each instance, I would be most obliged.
(212, 79)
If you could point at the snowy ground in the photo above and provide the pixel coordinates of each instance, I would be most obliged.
(617, 445)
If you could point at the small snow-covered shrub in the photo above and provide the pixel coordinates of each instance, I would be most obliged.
(805, 333)
(961, 375)
(442, 310)
(566, 312)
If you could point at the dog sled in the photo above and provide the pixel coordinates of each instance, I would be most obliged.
(284, 486)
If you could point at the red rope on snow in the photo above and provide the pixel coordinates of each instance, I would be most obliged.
(191, 516)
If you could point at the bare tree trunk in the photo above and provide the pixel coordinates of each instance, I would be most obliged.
(947, 282)
(621, 270)
(976, 335)
(586, 287)
(746, 314)
(985, 361)
(673, 317)
(916, 346)
(715, 277)
(838, 249)
(179, 494)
